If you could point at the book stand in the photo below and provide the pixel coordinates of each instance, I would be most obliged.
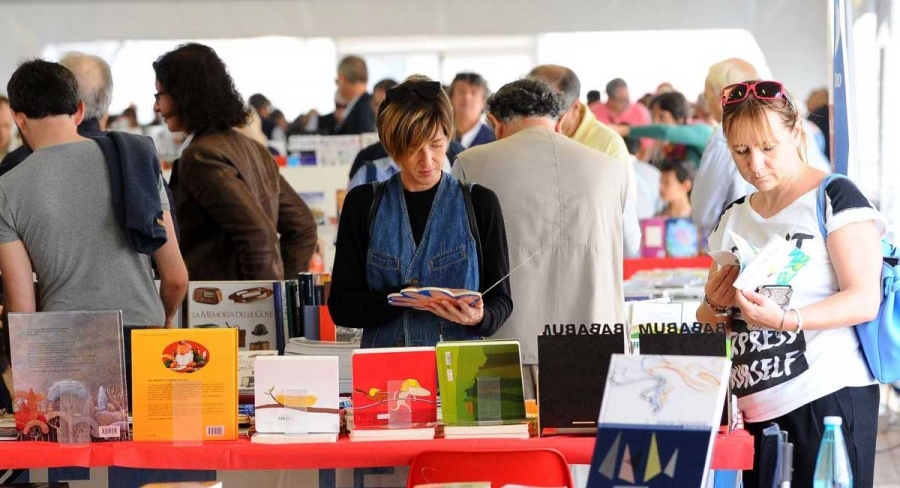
(399, 405)
(74, 415)
(490, 406)
(294, 419)
(187, 413)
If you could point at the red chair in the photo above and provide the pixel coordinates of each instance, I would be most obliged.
(536, 467)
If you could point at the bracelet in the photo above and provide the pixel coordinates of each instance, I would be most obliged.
(717, 310)
(799, 321)
(783, 314)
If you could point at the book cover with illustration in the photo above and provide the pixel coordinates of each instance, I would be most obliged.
(69, 376)
(776, 263)
(185, 384)
(402, 378)
(460, 367)
(255, 308)
(297, 395)
(658, 421)
(573, 378)
(421, 298)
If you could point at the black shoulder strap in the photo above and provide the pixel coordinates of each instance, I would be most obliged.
(473, 224)
(378, 188)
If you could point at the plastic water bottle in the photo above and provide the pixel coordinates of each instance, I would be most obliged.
(833, 464)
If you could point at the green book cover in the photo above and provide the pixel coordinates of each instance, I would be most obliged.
(461, 364)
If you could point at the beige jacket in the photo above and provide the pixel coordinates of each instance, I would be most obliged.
(568, 201)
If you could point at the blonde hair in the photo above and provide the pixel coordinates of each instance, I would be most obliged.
(404, 127)
(748, 117)
(732, 70)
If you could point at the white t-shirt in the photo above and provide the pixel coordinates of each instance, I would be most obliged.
(774, 373)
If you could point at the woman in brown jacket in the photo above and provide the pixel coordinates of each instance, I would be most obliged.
(239, 218)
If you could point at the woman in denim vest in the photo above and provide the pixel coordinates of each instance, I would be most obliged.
(420, 232)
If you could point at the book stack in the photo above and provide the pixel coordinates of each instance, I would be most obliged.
(394, 394)
(297, 400)
(481, 390)
(300, 346)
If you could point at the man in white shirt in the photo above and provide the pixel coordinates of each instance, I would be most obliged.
(468, 91)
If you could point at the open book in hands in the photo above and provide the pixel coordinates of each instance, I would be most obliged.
(776, 263)
(421, 298)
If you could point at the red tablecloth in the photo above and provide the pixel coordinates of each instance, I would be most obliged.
(244, 455)
(632, 266)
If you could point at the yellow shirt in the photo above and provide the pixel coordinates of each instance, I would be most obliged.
(593, 133)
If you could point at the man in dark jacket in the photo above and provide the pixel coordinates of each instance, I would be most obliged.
(351, 81)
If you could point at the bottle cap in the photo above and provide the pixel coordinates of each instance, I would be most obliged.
(833, 421)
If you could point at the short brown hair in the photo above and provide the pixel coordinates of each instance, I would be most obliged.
(405, 126)
(749, 117)
(354, 69)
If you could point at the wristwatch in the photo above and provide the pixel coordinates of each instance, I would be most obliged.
(250, 295)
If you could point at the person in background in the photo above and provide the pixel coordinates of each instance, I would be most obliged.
(618, 108)
(675, 182)
(796, 365)
(59, 218)
(817, 106)
(647, 178)
(701, 113)
(279, 133)
(593, 98)
(664, 87)
(95, 85)
(377, 165)
(645, 100)
(239, 218)
(263, 108)
(468, 91)
(670, 113)
(352, 77)
(400, 235)
(380, 91)
(6, 127)
(560, 197)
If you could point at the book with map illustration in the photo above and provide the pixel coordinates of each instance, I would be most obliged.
(776, 263)
(297, 395)
(658, 420)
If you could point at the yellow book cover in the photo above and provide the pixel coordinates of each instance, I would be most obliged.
(185, 384)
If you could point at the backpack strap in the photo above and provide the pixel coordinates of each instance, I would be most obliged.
(822, 203)
(378, 187)
(473, 224)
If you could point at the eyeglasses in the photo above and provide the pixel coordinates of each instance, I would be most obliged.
(762, 90)
(428, 90)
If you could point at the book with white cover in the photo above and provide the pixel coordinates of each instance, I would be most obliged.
(297, 395)
(292, 439)
(658, 420)
(776, 263)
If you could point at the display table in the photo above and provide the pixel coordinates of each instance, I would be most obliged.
(632, 266)
(244, 455)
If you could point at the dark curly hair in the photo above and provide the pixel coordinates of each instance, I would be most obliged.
(528, 97)
(202, 91)
(674, 103)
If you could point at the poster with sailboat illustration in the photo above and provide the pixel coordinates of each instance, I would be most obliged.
(658, 420)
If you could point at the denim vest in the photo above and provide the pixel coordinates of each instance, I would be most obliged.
(446, 257)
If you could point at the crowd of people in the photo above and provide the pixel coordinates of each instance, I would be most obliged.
(464, 184)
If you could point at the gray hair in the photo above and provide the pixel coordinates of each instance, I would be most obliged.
(95, 83)
(354, 69)
(561, 79)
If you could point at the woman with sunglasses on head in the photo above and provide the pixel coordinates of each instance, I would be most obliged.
(419, 228)
(798, 364)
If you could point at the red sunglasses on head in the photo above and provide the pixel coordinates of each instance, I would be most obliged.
(762, 90)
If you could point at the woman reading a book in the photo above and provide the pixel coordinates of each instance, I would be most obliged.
(421, 228)
(797, 363)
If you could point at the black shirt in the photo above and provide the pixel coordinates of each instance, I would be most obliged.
(353, 304)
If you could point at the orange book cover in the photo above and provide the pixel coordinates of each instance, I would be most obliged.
(185, 384)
